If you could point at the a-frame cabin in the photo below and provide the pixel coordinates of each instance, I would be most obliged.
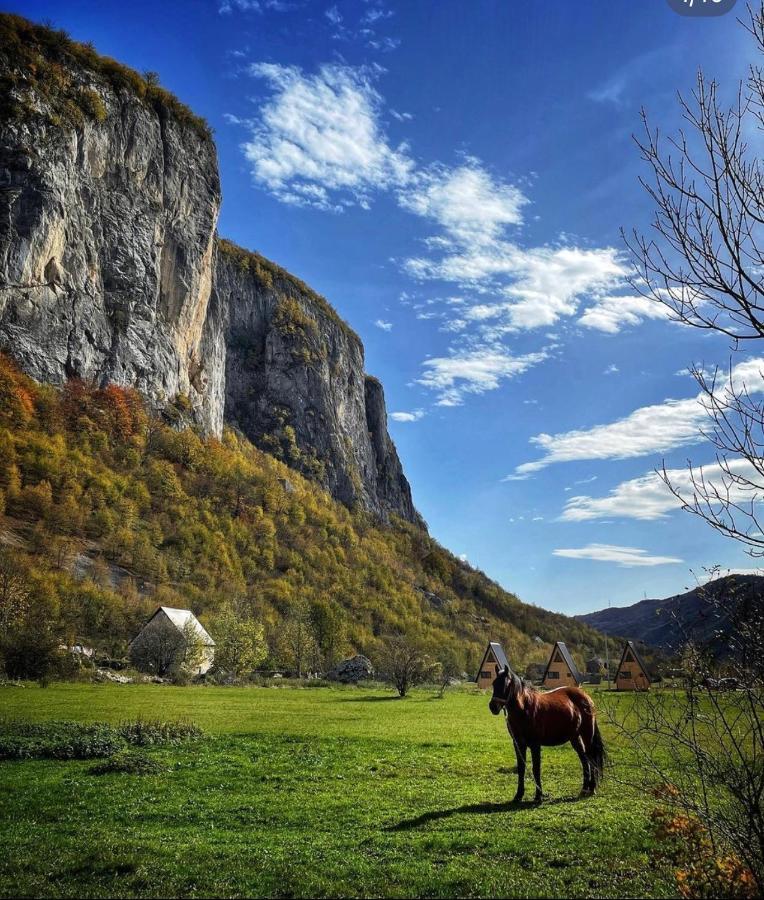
(632, 673)
(561, 670)
(494, 660)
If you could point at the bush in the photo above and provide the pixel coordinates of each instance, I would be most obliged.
(129, 763)
(57, 740)
(75, 740)
(154, 731)
(92, 105)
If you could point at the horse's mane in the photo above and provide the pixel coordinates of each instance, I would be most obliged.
(522, 685)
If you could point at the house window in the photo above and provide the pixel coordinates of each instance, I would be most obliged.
(625, 673)
(485, 674)
(552, 675)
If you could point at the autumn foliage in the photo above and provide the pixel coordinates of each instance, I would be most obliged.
(702, 868)
(112, 509)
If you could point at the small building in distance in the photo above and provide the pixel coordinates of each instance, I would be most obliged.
(494, 660)
(162, 643)
(632, 674)
(535, 671)
(561, 670)
(596, 666)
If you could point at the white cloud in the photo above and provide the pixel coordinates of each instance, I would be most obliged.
(318, 140)
(414, 416)
(535, 287)
(648, 498)
(612, 313)
(385, 326)
(650, 429)
(612, 369)
(627, 557)
(474, 372)
(465, 201)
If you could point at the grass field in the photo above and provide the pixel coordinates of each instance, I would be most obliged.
(313, 792)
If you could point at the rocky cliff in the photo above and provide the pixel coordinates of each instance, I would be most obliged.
(111, 271)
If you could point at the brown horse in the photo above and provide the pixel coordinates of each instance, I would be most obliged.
(536, 720)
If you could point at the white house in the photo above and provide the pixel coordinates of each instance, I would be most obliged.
(161, 641)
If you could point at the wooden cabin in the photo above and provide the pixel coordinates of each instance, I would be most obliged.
(494, 660)
(561, 670)
(632, 673)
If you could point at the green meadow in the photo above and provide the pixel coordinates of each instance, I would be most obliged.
(312, 792)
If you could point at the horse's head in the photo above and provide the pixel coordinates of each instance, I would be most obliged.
(503, 691)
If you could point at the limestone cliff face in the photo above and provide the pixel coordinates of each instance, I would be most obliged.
(107, 238)
(295, 385)
(111, 271)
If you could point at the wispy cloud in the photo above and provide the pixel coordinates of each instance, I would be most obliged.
(413, 416)
(474, 372)
(617, 89)
(318, 140)
(648, 498)
(385, 326)
(613, 313)
(650, 429)
(333, 15)
(627, 557)
(256, 6)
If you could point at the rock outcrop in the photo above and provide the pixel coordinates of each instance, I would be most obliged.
(351, 671)
(111, 271)
(295, 385)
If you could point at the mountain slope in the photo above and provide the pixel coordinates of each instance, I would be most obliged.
(111, 271)
(667, 623)
(109, 512)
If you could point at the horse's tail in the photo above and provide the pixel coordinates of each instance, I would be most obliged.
(597, 755)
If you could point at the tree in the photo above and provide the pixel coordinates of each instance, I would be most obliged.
(703, 266)
(191, 650)
(448, 668)
(14, 590)
(239, 642)
(157, 648)
(298, 637)
(404, 665)
(328, 624)
(703, 747)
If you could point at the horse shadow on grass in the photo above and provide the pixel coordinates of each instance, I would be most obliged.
(475, 809)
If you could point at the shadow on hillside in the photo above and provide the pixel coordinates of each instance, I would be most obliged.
(475, 809)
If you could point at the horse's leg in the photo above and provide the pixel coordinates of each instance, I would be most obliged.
(520, 751)
(536, 761)
(578, 745)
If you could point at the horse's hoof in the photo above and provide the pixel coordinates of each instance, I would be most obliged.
(539, 798)
(518, 798)
(587, 792)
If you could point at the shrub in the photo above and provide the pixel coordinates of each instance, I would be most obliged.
(75, 740)
(702, 868)
(129, 763)
(57, 740)
(144, 733)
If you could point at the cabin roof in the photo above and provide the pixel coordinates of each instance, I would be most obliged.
(180, 618)
(629, 645)
(565, 653)
(498, 652)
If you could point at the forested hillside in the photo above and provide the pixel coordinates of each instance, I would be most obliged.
(109, 511)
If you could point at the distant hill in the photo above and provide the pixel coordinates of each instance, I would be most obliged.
(665, 623)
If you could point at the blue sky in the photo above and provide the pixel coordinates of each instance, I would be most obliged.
(453, 177)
